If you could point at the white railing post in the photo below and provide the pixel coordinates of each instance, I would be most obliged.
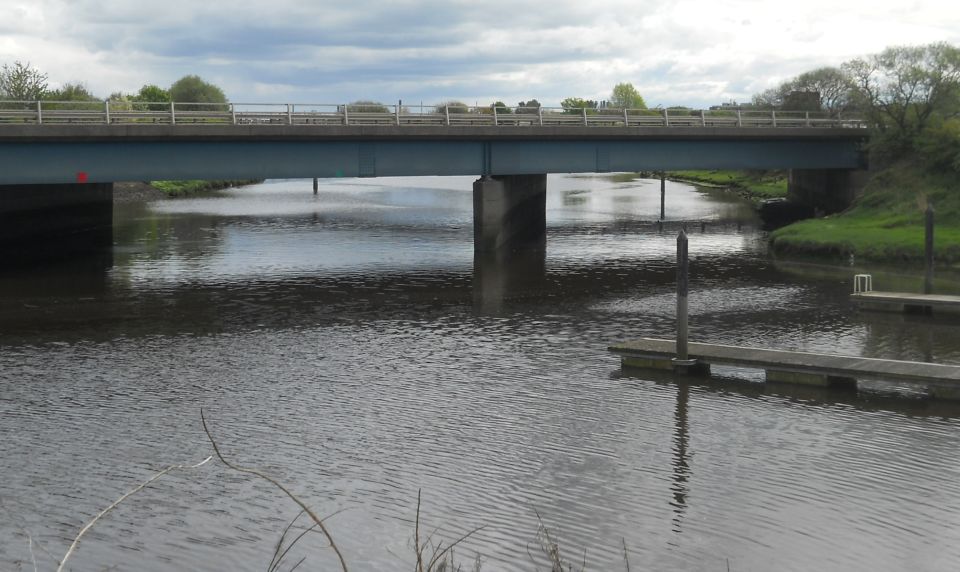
(398, 114)
(106, 110)
(346, 114)
(773, 116)
(540, 115)
(739, 119)
(446, 111)
(666, 117)
(626, 118)
(173, 113)
(703, 119)
(807, 116)
(233, 114)
(289, 114)
(39, 113)
(584, 110)
(495, 116)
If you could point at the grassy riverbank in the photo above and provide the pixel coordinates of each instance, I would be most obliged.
(886, 223)
(183, 188)
(754, 185)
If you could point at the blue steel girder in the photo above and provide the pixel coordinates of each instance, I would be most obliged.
(36, 159)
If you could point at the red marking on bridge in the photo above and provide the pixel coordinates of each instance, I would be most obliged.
(81, 177)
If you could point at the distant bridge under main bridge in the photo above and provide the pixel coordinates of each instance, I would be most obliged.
(57, 164)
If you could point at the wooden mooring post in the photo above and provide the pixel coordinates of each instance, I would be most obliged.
(683, 275)
(316, 185)
(928, 252)
(682, 362)
(663, 195)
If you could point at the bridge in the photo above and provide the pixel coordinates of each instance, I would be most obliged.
(58, 160)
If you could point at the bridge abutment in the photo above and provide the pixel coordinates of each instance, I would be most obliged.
(825, 190)
(509, 213)
(51, 220)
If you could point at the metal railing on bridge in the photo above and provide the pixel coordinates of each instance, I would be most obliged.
(165, 113)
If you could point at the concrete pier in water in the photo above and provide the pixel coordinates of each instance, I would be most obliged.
(509, 213)
(55, 218)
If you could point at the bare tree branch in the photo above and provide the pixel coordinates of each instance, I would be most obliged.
(271, 480)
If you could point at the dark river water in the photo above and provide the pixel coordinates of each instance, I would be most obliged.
(351, 346)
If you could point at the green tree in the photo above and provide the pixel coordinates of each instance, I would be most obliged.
(576, 105)
(72, 96)
(151, 93)
(835, 87)
(501, 107)
(452, 107)
(151, 98)
(939, 145)
(192, 89)
(367, 106)
(22, 82)
(71, 92)
(823, 89)
(532, 106)
(625, 96)
(902, 88)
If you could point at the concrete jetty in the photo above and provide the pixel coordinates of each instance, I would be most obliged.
(942, 381)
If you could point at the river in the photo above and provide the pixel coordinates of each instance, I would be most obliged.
(349, 345)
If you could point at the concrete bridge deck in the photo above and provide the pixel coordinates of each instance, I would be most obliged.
(44, 154)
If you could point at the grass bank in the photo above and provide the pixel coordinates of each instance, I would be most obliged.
(887, 221)
(754, 185)
(183, 188)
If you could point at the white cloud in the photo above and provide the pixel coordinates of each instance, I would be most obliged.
(684, 52)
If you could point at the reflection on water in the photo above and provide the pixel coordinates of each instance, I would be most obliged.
(350, 344)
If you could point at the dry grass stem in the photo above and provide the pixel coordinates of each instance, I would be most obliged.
(416, 536)
(626, 558)
(278, 556)
(33, 557)
(438, 561)
(551, 548)
(271, 480)
(142, 486)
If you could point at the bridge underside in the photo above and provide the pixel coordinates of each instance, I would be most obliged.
(64, 162)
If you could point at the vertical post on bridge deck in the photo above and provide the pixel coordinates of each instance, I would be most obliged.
(663, 194)
(315, 185)
(683, 264)
(928, 251)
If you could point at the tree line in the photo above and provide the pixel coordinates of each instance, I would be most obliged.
(23, 82)
(910, 95)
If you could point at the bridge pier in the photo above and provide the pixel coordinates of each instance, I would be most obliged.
(509, 213)
(500, 276)
(44, 221)
(825, 190)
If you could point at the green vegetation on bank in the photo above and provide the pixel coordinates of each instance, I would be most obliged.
(887, 223)
(755, 185)
(911, 97)
(183, 188)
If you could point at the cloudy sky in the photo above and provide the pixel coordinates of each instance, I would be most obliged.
(684, 52)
